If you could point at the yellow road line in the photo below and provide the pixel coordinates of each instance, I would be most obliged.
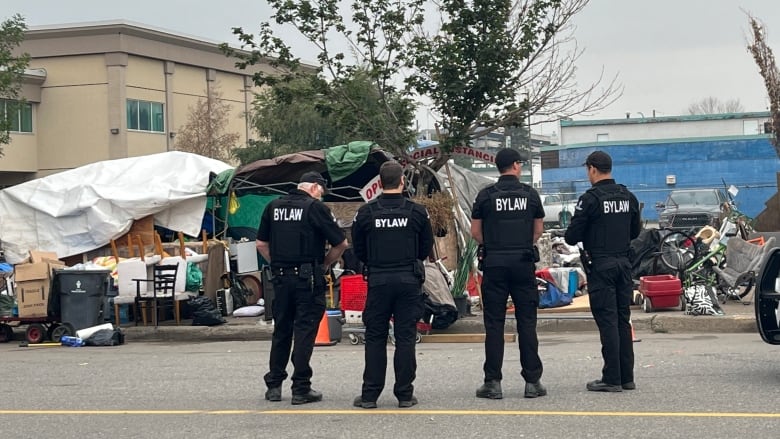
(393, 412)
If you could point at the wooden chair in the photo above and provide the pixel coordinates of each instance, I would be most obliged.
(129, 269)
(161, 295)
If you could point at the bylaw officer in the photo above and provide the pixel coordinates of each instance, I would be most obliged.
(605, 220)
(507, 219)
(392, 236)
(292, 235)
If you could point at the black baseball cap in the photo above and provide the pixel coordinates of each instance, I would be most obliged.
(507, 156)
(315, 177)
(599, 160)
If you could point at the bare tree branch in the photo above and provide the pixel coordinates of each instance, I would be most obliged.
(765, 59)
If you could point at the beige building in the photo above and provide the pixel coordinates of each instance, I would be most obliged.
(109, 90)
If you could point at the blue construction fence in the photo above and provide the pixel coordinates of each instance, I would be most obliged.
(750, 163)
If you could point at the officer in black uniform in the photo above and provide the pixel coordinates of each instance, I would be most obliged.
(291, 237)
(507, 219)
(605, 220)
(392, 236)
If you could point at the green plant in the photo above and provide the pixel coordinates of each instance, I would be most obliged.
(465, 265)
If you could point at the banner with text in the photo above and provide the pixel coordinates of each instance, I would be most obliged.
(371, 190)
(466, 151)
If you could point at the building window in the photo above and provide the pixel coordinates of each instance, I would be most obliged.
(145, 116)
(19, 115)
(604, 137)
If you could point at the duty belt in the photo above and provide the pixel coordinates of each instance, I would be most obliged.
(609, 255)
(393, 269)
(290, 271)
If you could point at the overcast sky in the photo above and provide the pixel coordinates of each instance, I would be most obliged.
(667, 53)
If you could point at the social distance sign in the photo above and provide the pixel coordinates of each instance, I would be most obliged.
(467, 151)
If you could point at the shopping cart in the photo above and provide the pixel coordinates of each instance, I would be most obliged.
(354, 290)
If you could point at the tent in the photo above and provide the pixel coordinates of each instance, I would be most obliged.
(82, 209)
(346, 167)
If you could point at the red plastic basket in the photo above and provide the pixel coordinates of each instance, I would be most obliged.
(353, 292)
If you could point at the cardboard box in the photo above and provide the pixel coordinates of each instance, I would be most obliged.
(39, 256)
(33, 284)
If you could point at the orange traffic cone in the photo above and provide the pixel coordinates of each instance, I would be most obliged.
(323, 333)
(633, 334)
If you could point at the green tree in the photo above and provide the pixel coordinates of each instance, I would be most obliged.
(500, 64)
(490, 64)
(306, 112)
(12, 67)
(364, 93)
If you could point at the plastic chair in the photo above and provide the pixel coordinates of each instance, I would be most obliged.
(162, 293)
(743, 261)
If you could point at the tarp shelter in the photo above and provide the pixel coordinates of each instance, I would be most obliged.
(82, 209)
(346, 167)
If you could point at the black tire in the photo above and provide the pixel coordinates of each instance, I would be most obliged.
(6, 333)
(677, 251)
(51, 329)
(63, 329)
(35, 333)
(253, 284)
(647, 305)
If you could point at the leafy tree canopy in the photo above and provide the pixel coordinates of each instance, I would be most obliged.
(482, 64)
(11, 71)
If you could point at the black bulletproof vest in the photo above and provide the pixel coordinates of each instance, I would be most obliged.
(392, 238)
(508, 225)
(610, 232)
(292, 240)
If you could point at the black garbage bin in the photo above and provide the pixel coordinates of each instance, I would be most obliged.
(81, 295)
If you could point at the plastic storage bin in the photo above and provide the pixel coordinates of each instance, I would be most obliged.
(660, 291)
(353, 297)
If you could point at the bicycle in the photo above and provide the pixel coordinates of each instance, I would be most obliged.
(694, 256)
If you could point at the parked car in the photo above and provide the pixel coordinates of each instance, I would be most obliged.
(692, 208)
(558, 209)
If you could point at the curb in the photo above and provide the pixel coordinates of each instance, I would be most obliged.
(261, 331)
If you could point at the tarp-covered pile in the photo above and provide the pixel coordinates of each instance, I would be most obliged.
(84, 208)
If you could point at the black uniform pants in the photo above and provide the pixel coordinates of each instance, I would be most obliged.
(298, 309)
(398, 296)
(610, 289)
(519, 282)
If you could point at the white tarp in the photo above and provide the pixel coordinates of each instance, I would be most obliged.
(84, 208)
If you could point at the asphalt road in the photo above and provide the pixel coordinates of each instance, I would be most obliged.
(689, 386)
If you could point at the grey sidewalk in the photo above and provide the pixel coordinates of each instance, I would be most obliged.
(738, 318)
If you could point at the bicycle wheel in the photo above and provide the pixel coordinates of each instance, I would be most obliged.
(677, 251)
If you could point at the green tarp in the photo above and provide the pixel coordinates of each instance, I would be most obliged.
(343, 160)
(219, 184)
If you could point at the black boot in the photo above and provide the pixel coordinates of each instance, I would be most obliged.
(601, 386)
(305, 398)
(273, 394)
(535, 390)
(490, 390)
